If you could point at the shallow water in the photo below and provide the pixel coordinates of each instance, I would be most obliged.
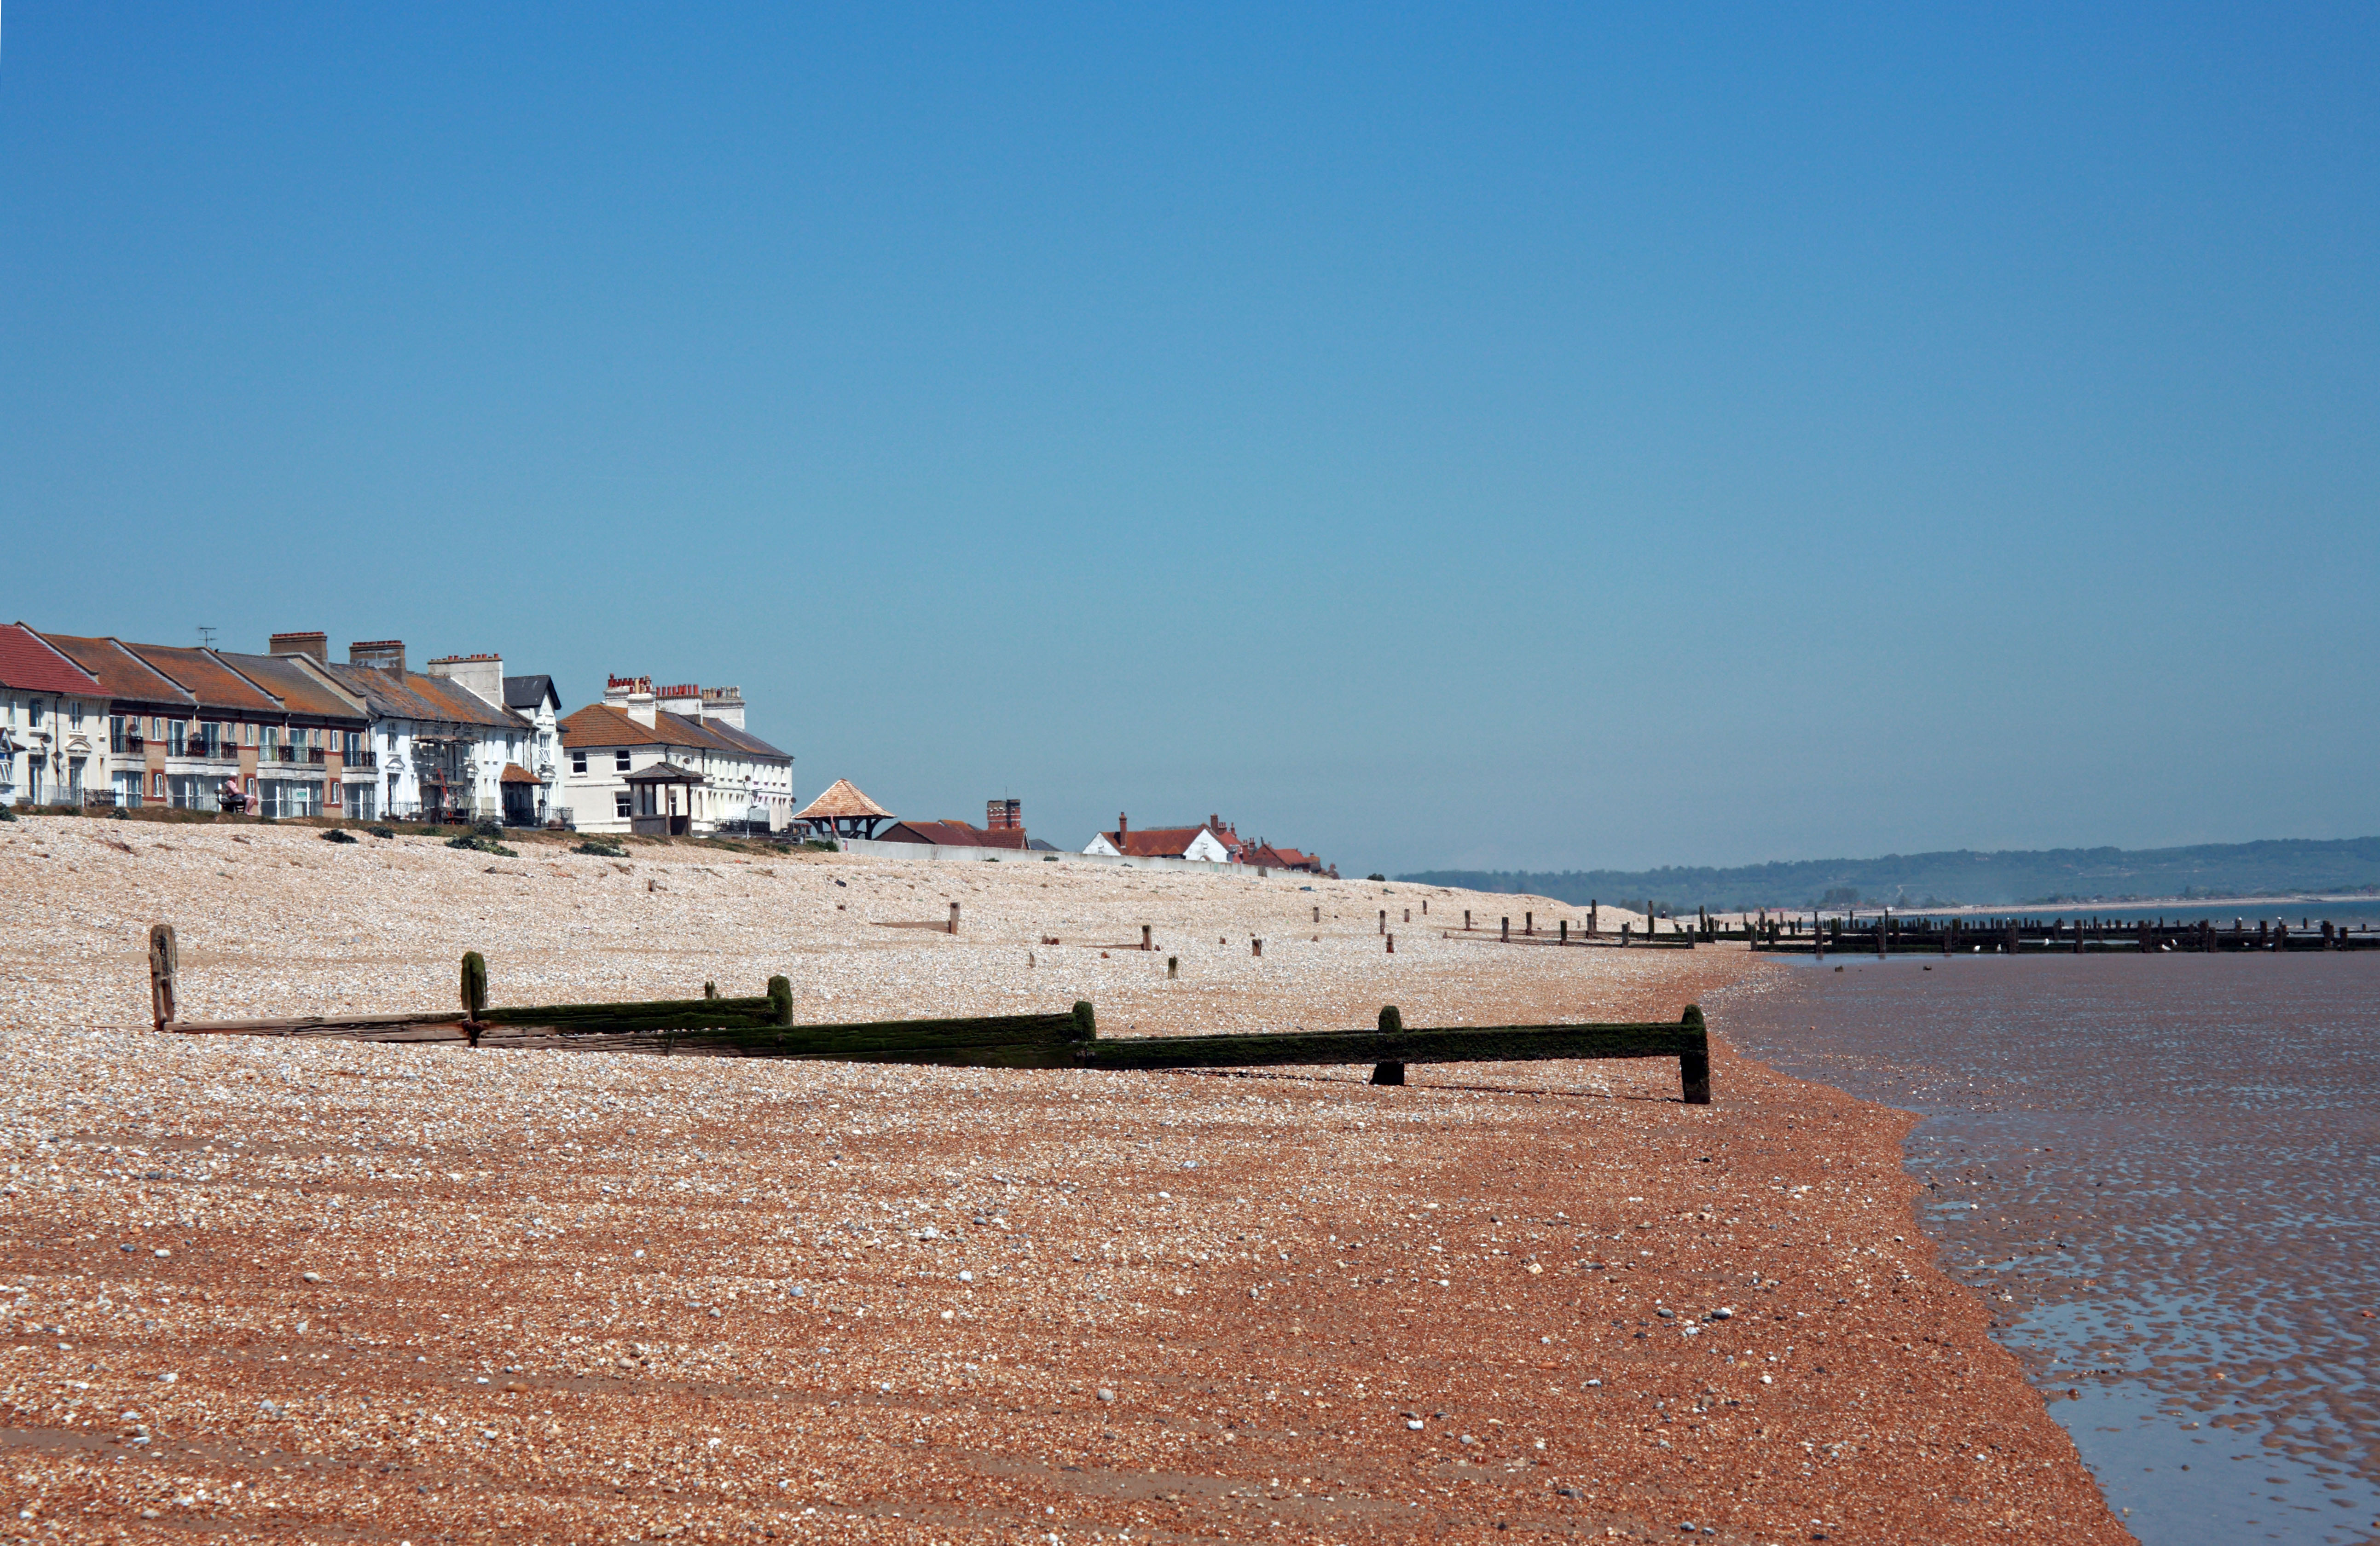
(2162, 1175)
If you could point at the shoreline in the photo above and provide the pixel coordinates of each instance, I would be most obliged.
(884, 1302)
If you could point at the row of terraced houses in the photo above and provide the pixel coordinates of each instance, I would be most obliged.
(94, 721)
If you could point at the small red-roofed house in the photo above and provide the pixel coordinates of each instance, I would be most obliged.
(51, 713)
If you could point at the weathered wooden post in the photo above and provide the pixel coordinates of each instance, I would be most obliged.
(475, 984)
(2011, 944)
(780, 1001)
(1408, 915)
(1384, 920)
(1255, 946)
(1883, 935)
(1508, 930)
(1144, 942)
(1565, 931)
(1694, 1065)
(1950, 937)
(1591, 926)
(1173, 966)
(1624, 926)
(1392, 944)
(1317, 912)
(165, 962)
(1529, 923)
(954, 918)
(1425, 907)
(1391, 1024)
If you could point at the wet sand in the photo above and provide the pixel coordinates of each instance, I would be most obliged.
(2159, 1173)
(407, 1295)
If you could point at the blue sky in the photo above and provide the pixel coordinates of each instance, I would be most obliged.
(1540, 438)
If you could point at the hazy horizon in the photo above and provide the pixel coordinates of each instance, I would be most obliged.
(1434, 439)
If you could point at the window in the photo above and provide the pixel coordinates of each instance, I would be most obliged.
(578, 762)
(178, 738)
(75, 718)
(116, 734)
(157, 786)
(33, 713)
(620, 804)
(620, 760)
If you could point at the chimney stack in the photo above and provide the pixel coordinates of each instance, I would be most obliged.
(381, 655)
(482, 676)
(632, 696)
(1123, 826)
(315, 644)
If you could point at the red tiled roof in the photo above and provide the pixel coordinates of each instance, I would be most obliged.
(30, 663)
(1154, 842)
(212, 682)
(602, 724)
(126, 676)
(958, 834)
(300, 692)
(515, 774)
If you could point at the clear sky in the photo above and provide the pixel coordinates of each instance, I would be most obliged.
(1456, 436)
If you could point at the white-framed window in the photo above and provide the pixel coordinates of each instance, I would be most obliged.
(620, 806)
(620, 761)
(579, 763)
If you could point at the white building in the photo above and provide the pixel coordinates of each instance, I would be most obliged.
(438, 748)
(534, 700)
(1205, 843)
(617, 752)
(53, 722)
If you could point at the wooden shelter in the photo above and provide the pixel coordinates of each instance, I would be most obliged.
(842, 812)
(661, 800)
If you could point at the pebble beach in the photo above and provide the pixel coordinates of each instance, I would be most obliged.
(278, 1290)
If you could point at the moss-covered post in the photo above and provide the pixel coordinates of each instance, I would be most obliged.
(1694, 1066)
(475, 984)
(1086, 1027)
(781, 1002)
(165, 963)
(1391, 1024)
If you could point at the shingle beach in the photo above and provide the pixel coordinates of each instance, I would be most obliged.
(255, 1289)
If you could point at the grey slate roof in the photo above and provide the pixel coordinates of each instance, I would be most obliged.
(523, 694)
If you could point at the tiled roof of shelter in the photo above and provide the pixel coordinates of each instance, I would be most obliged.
(515, 774)
(30, 663)
(121, 673)
(842, 799)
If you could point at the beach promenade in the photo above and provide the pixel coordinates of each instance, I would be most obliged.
(276, 1291)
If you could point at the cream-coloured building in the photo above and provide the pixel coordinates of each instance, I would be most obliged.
(671, 763)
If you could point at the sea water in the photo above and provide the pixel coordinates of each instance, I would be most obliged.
(2160, 1173)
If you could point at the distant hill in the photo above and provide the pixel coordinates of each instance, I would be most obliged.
(2032, 877)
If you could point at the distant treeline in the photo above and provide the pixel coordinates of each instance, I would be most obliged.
(2027, 877)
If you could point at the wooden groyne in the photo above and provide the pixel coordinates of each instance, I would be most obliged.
(2024, 936)
(762, 1027)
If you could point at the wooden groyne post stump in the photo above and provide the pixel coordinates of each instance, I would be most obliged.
(1565, 931)
(1529, 923)
(1694, 1065)
(1384, 920)
(1317, 912)
(1392, 944)
(1391, 1024)
(1592, 930)
(1623, 932)
(475, 984)
(954, 918)
(1255, 948)
(165, 962)
(780, 1001)
(1466, 918)
(1508, 930)
(1173, 966)
(1144, 942)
